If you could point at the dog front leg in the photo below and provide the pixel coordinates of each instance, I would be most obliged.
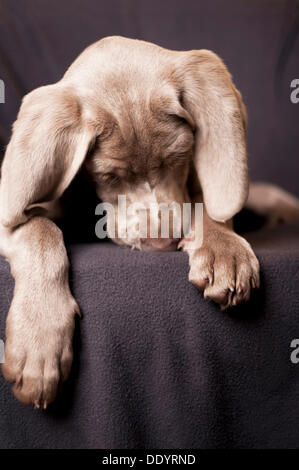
(40, 322)
(224, 266)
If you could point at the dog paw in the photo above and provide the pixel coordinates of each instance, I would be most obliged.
(225, 268)
(38, 348)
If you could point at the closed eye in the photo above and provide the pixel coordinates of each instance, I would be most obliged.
(110, 178)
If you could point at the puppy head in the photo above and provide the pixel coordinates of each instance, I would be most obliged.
(169, 108)
(144, 155)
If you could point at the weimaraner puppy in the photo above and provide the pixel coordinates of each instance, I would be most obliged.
(147, 123)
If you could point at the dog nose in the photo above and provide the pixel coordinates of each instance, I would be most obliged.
(158, 244)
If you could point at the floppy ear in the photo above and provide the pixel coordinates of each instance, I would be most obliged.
(49, 142)
(220, 118)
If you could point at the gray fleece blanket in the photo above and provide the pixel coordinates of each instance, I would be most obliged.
(157, 366)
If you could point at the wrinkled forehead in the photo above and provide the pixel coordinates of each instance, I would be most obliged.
(146, 131)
